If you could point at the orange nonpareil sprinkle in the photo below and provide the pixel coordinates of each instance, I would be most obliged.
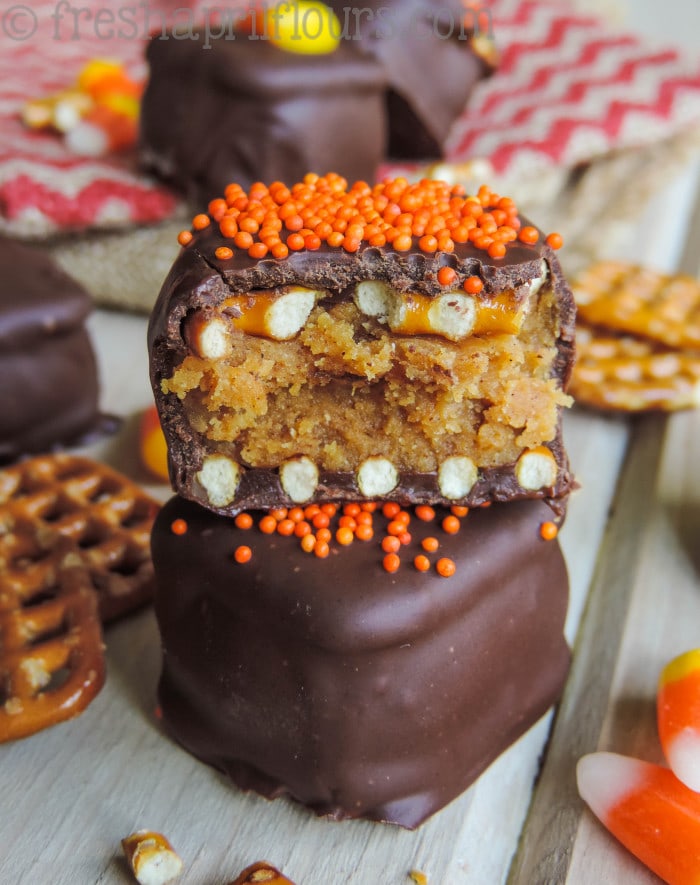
(391, 563)
(178, 527)
(429, 215)
(244, 521)
(445, 567)
(549, 531)
(422, 563)
(243, 554)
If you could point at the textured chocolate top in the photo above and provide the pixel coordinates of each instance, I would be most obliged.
(359, 692)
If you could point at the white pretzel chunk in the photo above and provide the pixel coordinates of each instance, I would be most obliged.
(208, 337)
(453, 315)
(536, 469)
(457, 477)
(377, 476)
(151, 858)
(299, 479)
(219, 477)
(287, 314)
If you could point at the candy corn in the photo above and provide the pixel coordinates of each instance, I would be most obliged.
(152, 445)
(678, 716)
(97, 116)
(648, 809)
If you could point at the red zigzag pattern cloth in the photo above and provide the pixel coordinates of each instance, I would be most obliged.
(570, 89)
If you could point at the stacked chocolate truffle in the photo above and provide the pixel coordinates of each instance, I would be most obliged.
(342, 375)
(249, 107)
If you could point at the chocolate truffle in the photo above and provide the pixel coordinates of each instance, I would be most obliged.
(358, 692)
(49, 388)
(244, 110)
(408, 370)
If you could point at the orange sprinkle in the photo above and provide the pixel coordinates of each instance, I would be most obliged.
(451, 525)
(422, 563)
(555, 241)
(364, 532)
(549, 531)
(185, 237)
(405, 538)
(311, 510)
(228, 227)
(430, 544)
(268, 525)
(286, 527)
(391, 544)
(324, 535)
(243, 554)
(391, 563)
(279, 513)
(473, 285)
(446, 276)
(345, 536)
(223, 253)
(308, 542)
(178, 527)
(295, 242)
(364, 518)
(301, 529)
(396, 527)
(199, 222)
(258, 250)
(321, 549)
(216, 209)
(329, 509)
(445, 567)
(352, 509)
(296, 514)
(390, 509)
(280, 250)
(243, 240)
(428, 243)
(529, 235)
(425, 513)
(244, 521)
(458, 510)
(321, 520)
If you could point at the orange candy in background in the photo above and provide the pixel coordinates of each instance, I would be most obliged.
(152, 446)
(678, 716)
(648, 809)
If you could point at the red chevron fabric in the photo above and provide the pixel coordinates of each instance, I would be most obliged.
(569, 89)
(44, 188)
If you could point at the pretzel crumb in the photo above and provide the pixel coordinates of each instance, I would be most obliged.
(151, 858)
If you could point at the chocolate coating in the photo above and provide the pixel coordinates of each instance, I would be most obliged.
(427, 51)
(244, 110)
(49, 388)
(199, 280)
(357, 692)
